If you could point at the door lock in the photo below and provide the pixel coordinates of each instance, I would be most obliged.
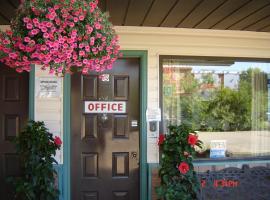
(134, 155)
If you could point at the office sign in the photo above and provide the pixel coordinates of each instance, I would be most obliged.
(105, 107)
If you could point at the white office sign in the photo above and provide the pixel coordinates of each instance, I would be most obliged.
(104, 107)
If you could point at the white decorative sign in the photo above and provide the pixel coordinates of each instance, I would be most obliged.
(105, 107)
(218, 149)
(48, 87)
(105, 77)
(153, 114)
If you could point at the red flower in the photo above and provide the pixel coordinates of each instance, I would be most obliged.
(183, 167)
(192, 139)
(161, 139)
(57, 141)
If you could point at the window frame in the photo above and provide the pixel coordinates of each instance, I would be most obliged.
(210, 161)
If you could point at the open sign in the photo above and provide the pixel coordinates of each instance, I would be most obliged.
(105, 107)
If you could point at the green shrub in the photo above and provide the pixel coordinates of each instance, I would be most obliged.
(36, 148)
(178, 178)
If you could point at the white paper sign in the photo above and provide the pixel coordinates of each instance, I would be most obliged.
(105, 77)
(105, 107)
(153, 114)
(48, 87)
(218, 149)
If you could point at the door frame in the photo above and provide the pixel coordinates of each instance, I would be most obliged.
(142, 55)
(31, 101)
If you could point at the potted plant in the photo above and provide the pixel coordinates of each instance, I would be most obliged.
(178, 178)
(63, 36)
(36, 148)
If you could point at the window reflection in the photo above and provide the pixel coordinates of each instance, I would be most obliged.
(224, 101)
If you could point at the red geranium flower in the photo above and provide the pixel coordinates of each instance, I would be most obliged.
(57, 141)
(192, 139)
(161, 139)
(183, 167)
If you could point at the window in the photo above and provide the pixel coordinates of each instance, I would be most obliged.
(226, 101)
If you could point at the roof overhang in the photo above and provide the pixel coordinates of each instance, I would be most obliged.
(248, 15)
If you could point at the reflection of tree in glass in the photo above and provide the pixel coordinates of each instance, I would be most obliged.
(207, 79)
(224, 109)
(189, 84)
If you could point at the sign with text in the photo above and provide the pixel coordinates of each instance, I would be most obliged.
(153, 114)
(217, 149)
(105, 107)
(48, 87)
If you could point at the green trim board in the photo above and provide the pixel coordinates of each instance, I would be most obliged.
(59, 170)
(218, 162)
(32, 93)
(66, 137)
(143, 128)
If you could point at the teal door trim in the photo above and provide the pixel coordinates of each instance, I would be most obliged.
(143, 129)
(66, 136)
(59, 170)
(32, 93)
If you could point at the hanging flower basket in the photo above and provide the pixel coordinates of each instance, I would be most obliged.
(62, 35)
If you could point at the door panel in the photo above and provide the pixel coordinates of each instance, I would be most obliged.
(13, 117)
(105, 146)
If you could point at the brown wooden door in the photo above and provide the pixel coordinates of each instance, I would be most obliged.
(13, 117)
(105, 147)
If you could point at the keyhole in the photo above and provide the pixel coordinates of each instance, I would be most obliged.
(134, 155)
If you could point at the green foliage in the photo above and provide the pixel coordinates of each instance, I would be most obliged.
(229, 111)
(35, 146)
(221, 109)
(189, 84)
(194, 111)
(207, 79)
(176, 149)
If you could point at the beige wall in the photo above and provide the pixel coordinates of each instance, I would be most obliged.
(4, 27)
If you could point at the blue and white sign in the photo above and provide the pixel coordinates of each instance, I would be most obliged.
(218, 149)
